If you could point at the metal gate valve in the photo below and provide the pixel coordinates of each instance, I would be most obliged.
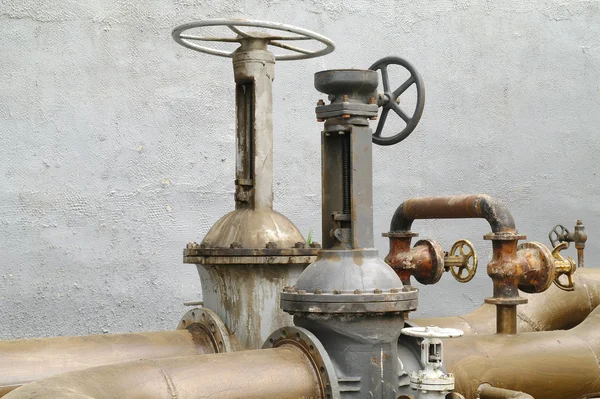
(426, 261)
(561, 234)
(431, 382)
(253, 245)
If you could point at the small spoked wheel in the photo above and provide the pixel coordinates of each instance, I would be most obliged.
(464, 272)
(389, 99)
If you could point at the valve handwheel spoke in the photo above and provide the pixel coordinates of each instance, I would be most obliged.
(558, 234)
(191, 41)
(469, 261)
(388, 100)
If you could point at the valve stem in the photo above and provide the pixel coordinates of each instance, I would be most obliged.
(346, 174)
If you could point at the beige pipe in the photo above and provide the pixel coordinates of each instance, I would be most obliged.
(550, 310)
(548, 364)
(486, 391)
(283, 372)
(26, 360)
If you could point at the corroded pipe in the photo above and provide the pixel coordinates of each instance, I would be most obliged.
(26, 360)
(554, 309)
(504, 268)
(549, 365)
(486, 391)
(454, 207)
(283, 372)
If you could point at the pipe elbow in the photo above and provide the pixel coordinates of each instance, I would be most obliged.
(496, 213)
(487, 391)
(481, 206)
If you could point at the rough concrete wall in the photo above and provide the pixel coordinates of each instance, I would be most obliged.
(117, 145)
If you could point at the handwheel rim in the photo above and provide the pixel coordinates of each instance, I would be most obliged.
(328, 43)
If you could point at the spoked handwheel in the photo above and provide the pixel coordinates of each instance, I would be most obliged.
(389, 100)
(191, 41)
(465, 271)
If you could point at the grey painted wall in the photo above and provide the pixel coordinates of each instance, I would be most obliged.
(117, 145)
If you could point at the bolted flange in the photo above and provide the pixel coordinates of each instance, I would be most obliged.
(212, 325)
(305, 341)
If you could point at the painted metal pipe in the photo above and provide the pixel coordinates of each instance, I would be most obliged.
(26, 360)
(284, 372)
(549, 365)
(554, 309)
(486, 391)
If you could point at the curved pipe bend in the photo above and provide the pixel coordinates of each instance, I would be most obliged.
(486, 391)
(454, 207)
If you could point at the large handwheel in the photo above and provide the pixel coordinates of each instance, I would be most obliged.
(190, 41)
(388, 101)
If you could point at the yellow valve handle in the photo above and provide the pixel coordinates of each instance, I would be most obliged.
(462, 258)
(564, 267)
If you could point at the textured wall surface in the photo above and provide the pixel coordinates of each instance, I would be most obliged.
(117, 145)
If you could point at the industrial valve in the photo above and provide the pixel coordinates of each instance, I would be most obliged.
(426, 261)
(461, 258)
(247, 243)
(542, 266)
(561, 234)
(563, 267)
(431, 382)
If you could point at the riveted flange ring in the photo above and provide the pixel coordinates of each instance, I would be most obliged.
(302, 339)
(212, 324)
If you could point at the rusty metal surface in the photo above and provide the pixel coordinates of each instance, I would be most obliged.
(454, 207)
(550, 365)
(26, 360)
(561, 234)
(553, 309)
(425, 261)
(208, 324)
(284, 372)
(504, 268)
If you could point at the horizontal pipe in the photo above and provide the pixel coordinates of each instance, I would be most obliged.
(454, 207)
(549, 365)
(283, 372)
(554, 309)
(26, 360)
(486, 391)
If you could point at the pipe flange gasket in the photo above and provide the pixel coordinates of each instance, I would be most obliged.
(400, 234)
(305, 341)
(506, 301)
(253, 256)
(504, 236)
(384, 302)
(211, 324)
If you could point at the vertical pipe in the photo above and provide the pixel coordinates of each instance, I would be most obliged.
(254, 71)
(263, 138)
(506, 319)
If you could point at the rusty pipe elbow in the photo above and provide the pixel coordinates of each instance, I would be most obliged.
(486, 391)
(454, 207)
